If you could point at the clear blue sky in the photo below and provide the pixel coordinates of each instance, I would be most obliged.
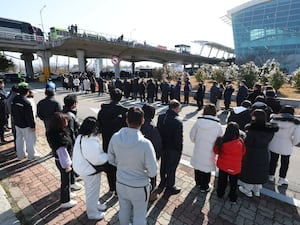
(164, 22)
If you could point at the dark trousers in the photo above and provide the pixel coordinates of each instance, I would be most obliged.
(111, 177)
(142, 96)
(186, 97)
(2, 129)
(65, 179)
(222, 184)
(200, 102)
(227, 104)
(284, 161)
(202, 179)
(164, 98)
(153, 183)
(168, 166)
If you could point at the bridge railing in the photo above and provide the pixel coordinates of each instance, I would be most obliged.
(20, 37)
(92, 35)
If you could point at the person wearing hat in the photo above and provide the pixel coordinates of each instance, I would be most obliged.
(283, 141)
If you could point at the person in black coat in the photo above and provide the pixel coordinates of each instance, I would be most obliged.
(256, 92)
(272, 101)
(47, 107)
(3, 111)
(142, 90)
(127, 88)
(21, 111)
(171, 132)
(214, 93)
(176, 90)
(100, 85)
(241, 115)
(151, 132)
(165, 90)
(255, 164)
(259, 103)
(186, 90)
(61, 145)
(227, 95)
(200, 94)
(150, 91)
(111, 118)
(135, 88)
(242, 93)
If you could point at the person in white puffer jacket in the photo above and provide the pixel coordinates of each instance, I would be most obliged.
(283, 142)
(204, 133)
(86, 153)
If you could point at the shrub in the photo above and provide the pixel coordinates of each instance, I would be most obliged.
(249, 72)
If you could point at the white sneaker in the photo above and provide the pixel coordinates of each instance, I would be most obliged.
(76, 186)
(100, 216)
(256, 193)
(35, 157)
(271, 178)
(244, 191)
(101, 207)
(69, 204)
(283, 181)
(73, 195)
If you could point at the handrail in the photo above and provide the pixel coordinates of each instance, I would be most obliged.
(21, 36)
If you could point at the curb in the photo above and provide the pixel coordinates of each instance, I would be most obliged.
(7, 216)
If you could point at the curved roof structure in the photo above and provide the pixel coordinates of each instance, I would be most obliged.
(267, 29)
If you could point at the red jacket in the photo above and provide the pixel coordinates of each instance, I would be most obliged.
(230, 157)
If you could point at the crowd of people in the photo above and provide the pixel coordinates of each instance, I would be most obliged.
(259, 131)
(146, 90)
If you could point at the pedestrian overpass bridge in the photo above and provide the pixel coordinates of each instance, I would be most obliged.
(82, 46)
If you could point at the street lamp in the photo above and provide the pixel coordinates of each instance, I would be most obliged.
(41, 10)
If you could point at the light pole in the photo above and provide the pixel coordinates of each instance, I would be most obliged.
(41, 10)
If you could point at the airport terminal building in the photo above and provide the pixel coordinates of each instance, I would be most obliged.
(266, 29)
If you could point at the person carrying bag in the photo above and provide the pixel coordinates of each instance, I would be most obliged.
(89, 160)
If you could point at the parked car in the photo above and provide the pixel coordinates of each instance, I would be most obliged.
(53, 76)
(56, 76)
(12, 77)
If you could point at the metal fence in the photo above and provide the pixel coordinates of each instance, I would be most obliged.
(20, 37)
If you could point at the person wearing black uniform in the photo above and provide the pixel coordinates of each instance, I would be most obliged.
(111, 118)
(171, 132)
(200, 95)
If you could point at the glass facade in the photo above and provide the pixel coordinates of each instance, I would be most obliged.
(266, 30)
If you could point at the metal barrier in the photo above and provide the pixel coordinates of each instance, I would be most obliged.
(20, 37)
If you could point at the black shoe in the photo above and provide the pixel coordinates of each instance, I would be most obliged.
(3, 141)
(159, 189)
(173, 190)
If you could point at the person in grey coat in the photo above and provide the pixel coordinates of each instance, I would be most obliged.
(134, 157)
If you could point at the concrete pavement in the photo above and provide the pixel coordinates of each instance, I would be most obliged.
(33, 187)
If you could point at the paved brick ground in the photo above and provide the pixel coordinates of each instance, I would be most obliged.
(34, 187)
